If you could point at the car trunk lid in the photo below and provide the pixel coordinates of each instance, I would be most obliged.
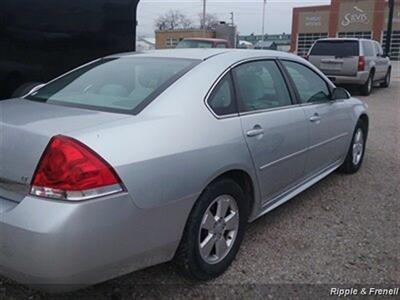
(26, 127)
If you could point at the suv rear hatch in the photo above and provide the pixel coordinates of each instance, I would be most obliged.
(336, 57)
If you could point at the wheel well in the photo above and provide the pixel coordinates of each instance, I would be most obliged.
(373, 71)
(244, 180)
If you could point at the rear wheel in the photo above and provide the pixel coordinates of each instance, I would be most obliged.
(386, 82)
(214, 231)
(355, 155)
(366, 89)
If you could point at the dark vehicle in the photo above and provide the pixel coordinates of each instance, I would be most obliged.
(203, 43)
(42, 39)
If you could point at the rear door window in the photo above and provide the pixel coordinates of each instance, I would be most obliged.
(310, 86)
(261, 86)
(114, 84)
(336, 48)
(368, 48)
(222, 100)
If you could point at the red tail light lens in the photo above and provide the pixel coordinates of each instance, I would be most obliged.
(69, 170)
(361, 63)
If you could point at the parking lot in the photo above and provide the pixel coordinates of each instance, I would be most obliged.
(344, 230)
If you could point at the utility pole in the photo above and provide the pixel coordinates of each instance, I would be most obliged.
(232, 18)
(263, 19)
(389, 28)
(204, 17)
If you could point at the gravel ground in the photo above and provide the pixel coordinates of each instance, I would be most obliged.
(342, 231)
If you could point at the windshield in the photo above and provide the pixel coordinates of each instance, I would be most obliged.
(194, 44)
(114, 84)
(336, 48)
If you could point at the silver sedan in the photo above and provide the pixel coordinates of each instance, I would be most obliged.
(133, 160)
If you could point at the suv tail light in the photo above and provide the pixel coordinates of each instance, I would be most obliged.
(361, 63)
(69, 170)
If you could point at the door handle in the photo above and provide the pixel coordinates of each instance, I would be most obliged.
(315, 118)
(257, 130)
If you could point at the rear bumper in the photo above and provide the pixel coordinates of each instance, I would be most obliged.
(359, 79)
(63, 246)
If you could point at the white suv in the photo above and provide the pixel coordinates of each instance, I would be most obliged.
(352, 61)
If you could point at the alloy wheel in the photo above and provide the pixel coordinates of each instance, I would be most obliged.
(218, 229)
(358, 146)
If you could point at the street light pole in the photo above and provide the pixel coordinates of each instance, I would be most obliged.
(204, 17)
(389, 28)
(263, 19)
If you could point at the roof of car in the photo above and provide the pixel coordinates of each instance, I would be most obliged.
(203, 53)
(343, 39)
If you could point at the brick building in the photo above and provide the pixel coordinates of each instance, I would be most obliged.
(170, 38)
(344, 18)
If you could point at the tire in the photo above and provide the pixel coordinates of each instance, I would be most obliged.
(354, 160)
(366, 88)
(386, 82)
(196, 264)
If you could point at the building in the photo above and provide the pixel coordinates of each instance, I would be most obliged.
(282, 41)
(145, 43)
(170, 38)
(344, 18)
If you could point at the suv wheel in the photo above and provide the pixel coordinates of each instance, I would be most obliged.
(386, 82)
(214, 231)
(366, 89)
(355, 155)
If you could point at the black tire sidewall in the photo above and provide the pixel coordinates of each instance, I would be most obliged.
(197, 267)
(348, 166)
(386, 83)
(365, 90)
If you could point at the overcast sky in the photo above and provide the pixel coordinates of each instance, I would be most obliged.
(248, 13)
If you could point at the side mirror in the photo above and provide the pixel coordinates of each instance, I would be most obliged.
(340, 93)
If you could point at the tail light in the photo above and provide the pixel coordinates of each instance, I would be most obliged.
(361, 63)
(69, 170)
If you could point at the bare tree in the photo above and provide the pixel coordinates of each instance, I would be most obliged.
(210, 22)
(173, 19)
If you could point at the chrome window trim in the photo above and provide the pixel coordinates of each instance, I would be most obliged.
(210, 92)
(263, 167)
(328, 83)
(229, 69)
(266, 110)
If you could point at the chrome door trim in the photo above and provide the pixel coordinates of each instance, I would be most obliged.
(328, 141)
(303, 151)
(283, 158)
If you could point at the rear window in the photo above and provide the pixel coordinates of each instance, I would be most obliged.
(336, 48)
(124, 85)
